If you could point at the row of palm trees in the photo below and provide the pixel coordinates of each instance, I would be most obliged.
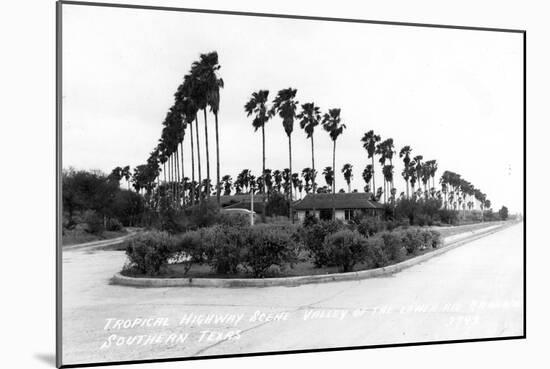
(200, 91)
(286, 107)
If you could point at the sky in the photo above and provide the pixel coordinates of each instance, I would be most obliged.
(452, 95)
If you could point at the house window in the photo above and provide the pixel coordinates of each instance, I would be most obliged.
(348, 214)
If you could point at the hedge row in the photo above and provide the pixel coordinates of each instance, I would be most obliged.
(265, 250)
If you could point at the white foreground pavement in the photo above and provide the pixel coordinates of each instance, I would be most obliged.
(473, 291)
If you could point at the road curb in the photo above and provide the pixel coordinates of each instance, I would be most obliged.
(120, 279)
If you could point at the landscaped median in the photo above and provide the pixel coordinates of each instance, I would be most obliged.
(449, 243)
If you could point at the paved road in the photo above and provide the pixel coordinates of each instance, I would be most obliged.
(474, 291)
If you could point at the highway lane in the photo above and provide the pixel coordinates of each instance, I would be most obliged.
(474, 291)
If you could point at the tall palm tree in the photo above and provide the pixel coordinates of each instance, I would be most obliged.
(405, 153)
(347, 171)
(370, 140)
(310, 117)
(333, 125)
(213, 83)
(199, 93)
(257, 105)
(418, 167)
(285, 105)
(381, 150)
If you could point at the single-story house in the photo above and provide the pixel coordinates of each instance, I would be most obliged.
(347, 205)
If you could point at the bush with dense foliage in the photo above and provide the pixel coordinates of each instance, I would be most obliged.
(346, 248)
(225, 247)
(394, 246)
(412, 240)
(93, 222)
(188, 249)
(369, 226)
(267, 247)
(376, 253)
(150, 251)
(314, 236)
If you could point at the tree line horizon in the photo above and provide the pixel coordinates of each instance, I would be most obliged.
(163, 174)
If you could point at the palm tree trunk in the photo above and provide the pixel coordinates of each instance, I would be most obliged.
(207, 155)
(192, 167)
(263, 173)
(290, 168)
(177, 176)
(313, 165)
(218, 188)
(313, 174)
(373, 175)
(198, 157)
(182, 176)
(334, 179)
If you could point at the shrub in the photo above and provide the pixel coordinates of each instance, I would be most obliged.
(448, 216)
(393, 246)
(314, 236)
(188, 249)
(114, 225)
(268, 247)
(225, 247)
(149, 251)
(233, 220)
(310, 220)
(412, 240)
(369, 226)
(376, 255)
(93, 221)
(436, 238)
(346, 248)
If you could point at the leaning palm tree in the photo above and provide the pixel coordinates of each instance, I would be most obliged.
(370, 141)
(213, 83)
(285, 105)
(333, 125)
(347, 171)
(199, 93)
(310, 117)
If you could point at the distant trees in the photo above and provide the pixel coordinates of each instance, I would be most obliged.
(503, 213)
(93, 190)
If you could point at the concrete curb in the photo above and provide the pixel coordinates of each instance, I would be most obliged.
(296, 281)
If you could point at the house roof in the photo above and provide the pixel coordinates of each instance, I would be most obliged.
(258, 206)
(354, 200)
(234, 199)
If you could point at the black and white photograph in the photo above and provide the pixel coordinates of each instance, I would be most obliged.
(232, 183)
